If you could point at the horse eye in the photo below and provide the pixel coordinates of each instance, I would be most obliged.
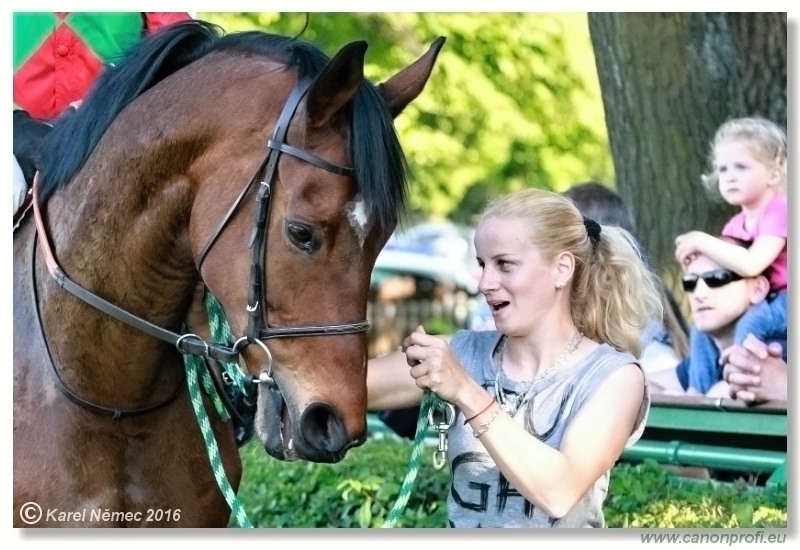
(303, 237)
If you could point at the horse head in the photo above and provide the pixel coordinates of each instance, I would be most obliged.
(291, 260)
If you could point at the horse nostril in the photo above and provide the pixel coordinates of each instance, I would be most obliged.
(323, 429)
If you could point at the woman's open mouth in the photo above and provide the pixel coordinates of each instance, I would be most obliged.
(496, 307)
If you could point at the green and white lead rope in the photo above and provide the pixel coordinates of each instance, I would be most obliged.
(196, 373)
(429, 400)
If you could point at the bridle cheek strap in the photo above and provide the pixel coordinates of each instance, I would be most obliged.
(258, 237)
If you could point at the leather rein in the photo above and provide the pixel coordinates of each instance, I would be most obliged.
(258, 328)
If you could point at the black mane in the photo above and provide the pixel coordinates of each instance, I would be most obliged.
(376, 154)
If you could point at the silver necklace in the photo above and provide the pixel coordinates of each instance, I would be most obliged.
(512, 405)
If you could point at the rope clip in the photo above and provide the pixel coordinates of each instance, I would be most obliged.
(449, 412)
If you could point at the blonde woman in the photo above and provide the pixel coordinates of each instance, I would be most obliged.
(548, 401)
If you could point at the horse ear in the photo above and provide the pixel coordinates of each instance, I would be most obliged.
(336, 84)
(406, 85)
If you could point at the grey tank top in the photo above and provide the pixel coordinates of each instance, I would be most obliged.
(480, 496)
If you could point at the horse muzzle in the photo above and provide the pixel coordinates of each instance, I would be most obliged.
(318, 436)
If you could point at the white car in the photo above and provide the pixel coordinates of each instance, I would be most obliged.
(438, 269)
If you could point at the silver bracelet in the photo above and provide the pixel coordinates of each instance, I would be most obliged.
(483, 428)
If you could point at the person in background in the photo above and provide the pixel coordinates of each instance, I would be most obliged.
(547, 402)
(749, 160)
(56, 58)
(664, 342)
(599, 202)
(718, 298)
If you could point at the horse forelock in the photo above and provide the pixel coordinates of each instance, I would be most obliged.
(378, 159)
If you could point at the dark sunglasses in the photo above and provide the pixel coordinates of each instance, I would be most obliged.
(712, 279)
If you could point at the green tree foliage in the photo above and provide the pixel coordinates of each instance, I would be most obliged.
(513, 101)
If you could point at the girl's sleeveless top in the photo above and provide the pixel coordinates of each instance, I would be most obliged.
(479, 494)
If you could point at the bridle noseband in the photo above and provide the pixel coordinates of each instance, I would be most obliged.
(257, 328)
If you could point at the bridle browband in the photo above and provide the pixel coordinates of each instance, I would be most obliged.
(257, 329)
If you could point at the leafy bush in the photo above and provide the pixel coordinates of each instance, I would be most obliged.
(645, 495)
(361, 490)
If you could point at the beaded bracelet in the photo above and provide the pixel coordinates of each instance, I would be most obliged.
(474, 416)
(485, 427)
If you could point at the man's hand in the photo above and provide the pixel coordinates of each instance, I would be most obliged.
(755, 371)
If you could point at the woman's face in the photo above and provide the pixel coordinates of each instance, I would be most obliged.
(518, 284)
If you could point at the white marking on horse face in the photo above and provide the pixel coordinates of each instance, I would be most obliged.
(357, 215)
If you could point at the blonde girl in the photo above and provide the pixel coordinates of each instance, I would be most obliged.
(749, 170)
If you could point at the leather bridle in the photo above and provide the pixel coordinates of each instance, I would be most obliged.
(258, 329)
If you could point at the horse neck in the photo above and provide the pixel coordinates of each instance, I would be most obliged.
(123, 236)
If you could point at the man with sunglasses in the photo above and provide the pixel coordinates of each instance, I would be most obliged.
(718, 298)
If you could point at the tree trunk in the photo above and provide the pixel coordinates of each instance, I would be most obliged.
(760, 39)
(668, 81)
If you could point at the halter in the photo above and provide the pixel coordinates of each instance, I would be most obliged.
(257, 329)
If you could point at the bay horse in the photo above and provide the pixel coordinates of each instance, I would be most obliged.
(251, 162)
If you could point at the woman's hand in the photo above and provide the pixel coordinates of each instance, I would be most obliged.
(434, 367)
